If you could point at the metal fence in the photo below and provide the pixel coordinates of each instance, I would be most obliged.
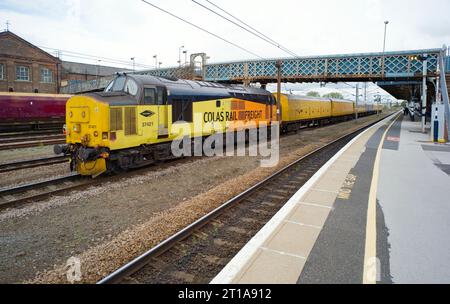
(75, 86)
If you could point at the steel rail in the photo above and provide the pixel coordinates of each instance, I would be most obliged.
(30, 138)
(29, 144)
(31, 133)
(32, 163)
(84, 182)
(39, 185)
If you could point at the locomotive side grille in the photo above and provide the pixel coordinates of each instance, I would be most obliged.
(238, 105)
(130, 121)
(115, 119)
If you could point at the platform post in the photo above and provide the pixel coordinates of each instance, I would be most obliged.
(356, 101)
(424, 93)
(278, 65)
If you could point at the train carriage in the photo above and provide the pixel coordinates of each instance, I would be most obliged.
(342, 107)
(300, 108)
(297, 111)
(24, 111)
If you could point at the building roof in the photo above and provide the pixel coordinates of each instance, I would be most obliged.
(5, 34)
(90, 69)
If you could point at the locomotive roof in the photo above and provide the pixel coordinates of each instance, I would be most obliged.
(175, 85)
(180, 88)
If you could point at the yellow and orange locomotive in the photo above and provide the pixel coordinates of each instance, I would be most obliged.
(133, 122)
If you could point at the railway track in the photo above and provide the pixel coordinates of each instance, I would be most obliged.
(32, 163)
(29, 133)
(15, 196)
(37, 191)
(30, 141)
(18, 139)
(197, 253)
(11, 127)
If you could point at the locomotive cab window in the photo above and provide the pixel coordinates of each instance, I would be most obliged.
(117, 85)
(161, 96)
(150, 96)
(131, 87)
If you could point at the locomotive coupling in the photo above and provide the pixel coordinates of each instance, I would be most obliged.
(88, 154)
(61, 149)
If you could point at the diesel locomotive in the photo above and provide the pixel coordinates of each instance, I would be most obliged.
(133, 122)
(135, 119)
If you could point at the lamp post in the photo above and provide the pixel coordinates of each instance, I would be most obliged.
(156, 61)
(159, 65)
(356, 101)
(384, 47)
(132, 59)
(365, 92)
(278, 66)
(377, 100)
(424, 59)
(98, 69)
(185, 57)
(179, 54)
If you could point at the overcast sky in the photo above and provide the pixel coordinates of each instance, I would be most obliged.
(123, 29)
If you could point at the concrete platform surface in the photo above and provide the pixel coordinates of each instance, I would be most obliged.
(414, 196)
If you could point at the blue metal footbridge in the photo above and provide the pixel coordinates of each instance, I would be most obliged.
(403, 65)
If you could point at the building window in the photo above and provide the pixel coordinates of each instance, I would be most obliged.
(2, 73)
(46, 75)
(22, 73)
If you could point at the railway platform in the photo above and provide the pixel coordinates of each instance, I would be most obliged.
(373, 213)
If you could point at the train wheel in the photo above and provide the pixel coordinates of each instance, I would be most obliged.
(113, 167)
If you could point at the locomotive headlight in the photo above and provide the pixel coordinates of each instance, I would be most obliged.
(96, 133)
(83, 114)
(77, 128)
(105, 135)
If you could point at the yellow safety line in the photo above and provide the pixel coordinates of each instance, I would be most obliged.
(370, 255)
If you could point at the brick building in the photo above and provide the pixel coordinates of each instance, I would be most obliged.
(25, 67)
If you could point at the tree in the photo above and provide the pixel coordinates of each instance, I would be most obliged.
(335, 95)
(313, 94)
